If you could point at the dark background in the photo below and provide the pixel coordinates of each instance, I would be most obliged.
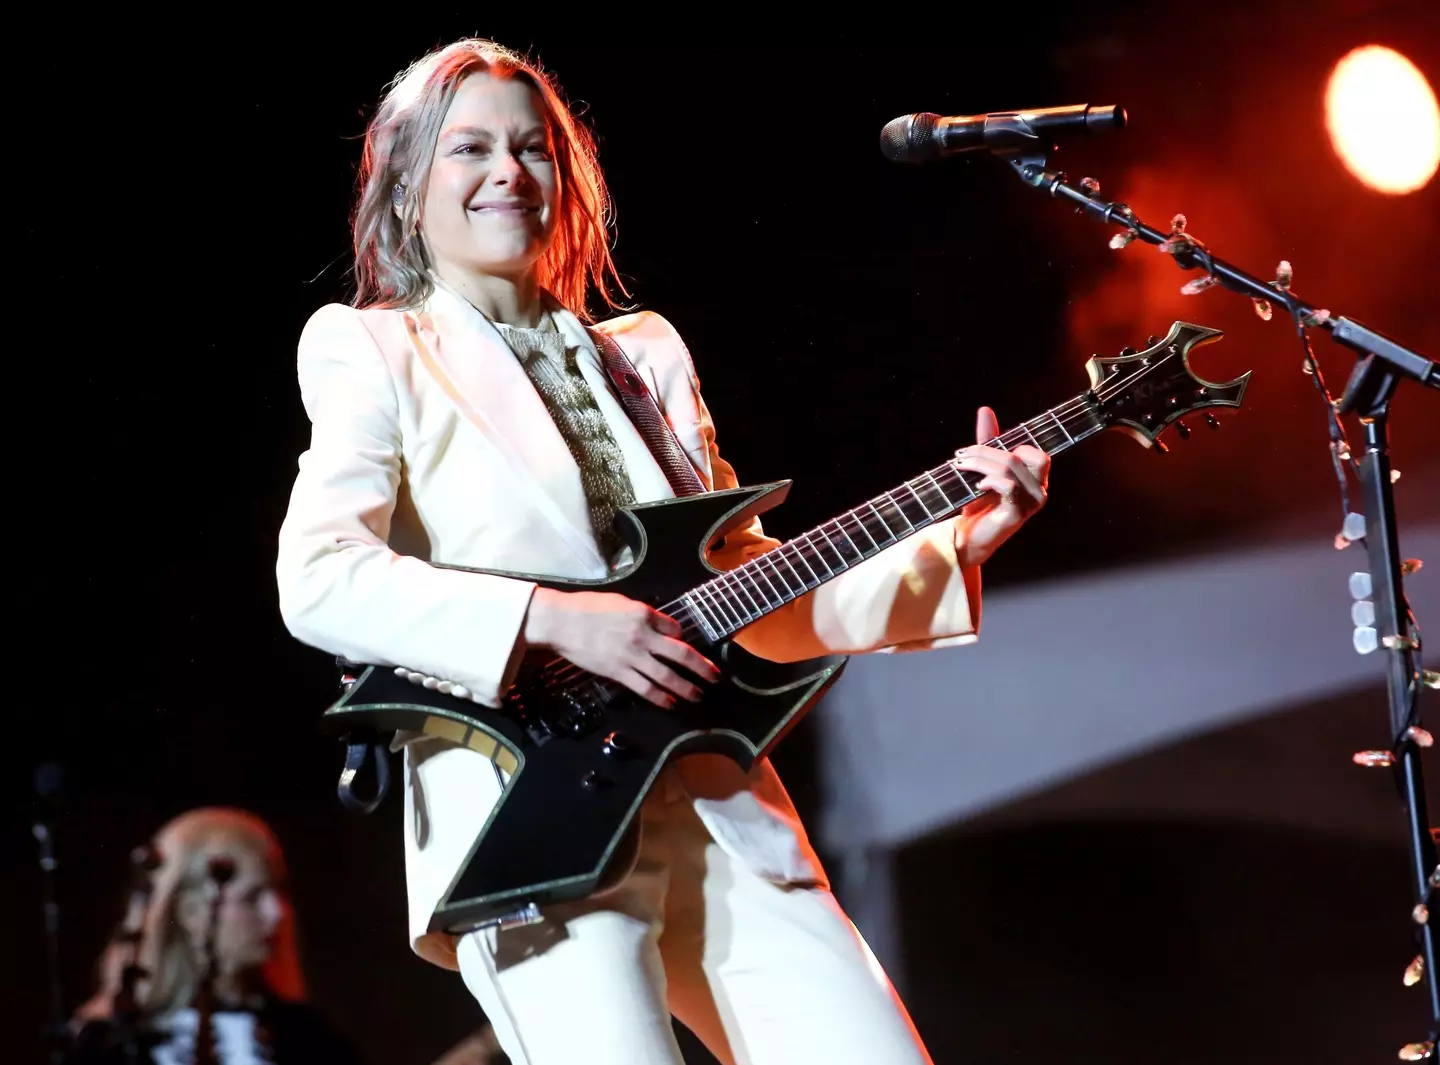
(178, 207)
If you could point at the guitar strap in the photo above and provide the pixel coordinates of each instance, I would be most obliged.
(640, 405)
(659, 437)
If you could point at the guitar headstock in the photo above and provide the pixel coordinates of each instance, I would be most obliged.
(1144, 392)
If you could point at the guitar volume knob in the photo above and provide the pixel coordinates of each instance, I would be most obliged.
(616, 745)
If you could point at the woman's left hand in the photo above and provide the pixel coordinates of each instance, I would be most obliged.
(1017, 480)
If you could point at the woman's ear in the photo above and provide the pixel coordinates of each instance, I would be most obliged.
(397, 198)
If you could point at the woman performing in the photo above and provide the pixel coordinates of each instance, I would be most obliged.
(204, 970)
(461, 416)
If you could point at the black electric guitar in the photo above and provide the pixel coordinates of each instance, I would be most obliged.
(580, 753)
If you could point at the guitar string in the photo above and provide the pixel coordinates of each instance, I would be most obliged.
(564, 672)
(723, 588)
(727, 583)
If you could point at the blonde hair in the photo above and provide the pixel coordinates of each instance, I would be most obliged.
(185, 846)
(391, 266)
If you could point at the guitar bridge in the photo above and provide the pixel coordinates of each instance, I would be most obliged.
(559, 707)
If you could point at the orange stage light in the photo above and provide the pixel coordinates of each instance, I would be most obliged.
(1383, 120)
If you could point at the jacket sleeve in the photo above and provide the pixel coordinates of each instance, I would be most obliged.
(913, 596)
(342, 589)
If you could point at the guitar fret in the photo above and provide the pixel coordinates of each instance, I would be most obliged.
(705, 599)
(758, 566)
(889, 532)
(734, 578)
(843, 566)
(1061, 426)
(769, 556)
(787, 574)
(751, 575)
(814, 552)
(955, 472)
(929, 516)
(779, 556)
(713, 612)
(1038, 435)
(725, 606)
(697, 596)
(801, 555)
(720, 603)
(911, 523)
(886, 499)
(949, 505)
(846, 562)
(732, 600)
(855, 517)
(694, 609)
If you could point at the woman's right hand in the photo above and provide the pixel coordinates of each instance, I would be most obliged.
(618, 638)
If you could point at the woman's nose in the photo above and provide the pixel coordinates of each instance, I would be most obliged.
(506, 170)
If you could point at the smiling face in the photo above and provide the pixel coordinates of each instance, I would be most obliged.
(492, 199)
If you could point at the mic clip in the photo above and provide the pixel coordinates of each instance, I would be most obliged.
(1009, 137)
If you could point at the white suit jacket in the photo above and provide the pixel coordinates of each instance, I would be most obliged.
(430, 444)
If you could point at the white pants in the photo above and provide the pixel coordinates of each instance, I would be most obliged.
(763, 974)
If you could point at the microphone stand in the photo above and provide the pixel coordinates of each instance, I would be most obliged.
(47, 786)
(56, 1031)
(220, 871)
(1381, 614)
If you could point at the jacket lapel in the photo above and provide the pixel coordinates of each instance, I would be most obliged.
(470, 361)
(646, 477)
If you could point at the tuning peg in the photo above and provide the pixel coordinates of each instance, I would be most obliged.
(1126, 351)
(1183, 430)
(1417, 1051)
(1160, 447)
(1151, 341)
(1211, 420)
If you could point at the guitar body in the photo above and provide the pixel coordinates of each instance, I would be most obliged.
(581, 754)
(579, 768)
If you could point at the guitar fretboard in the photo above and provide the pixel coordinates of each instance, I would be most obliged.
(723, 606)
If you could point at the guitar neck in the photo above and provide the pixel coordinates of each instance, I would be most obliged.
(734, 599)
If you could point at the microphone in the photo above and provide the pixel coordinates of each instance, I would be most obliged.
(923, 137)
